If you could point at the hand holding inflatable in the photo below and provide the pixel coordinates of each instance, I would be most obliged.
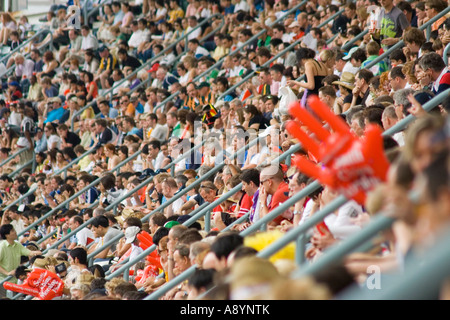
(40, 283)
(350, 165)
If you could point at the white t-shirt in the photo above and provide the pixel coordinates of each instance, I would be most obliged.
(158, 161)
(54, 139)
(138, 37)
(201, 51)
(15, 119)
(195, 34)
(350, 68)
(242, 6)
(135, 251)
(159, 132)
(89, 42)
(340, 224)
(84, 237)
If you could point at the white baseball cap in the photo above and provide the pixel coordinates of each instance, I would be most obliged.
(131, 233)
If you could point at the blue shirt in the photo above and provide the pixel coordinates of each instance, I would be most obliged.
(41, 145)
(52, 92)
(55, 115)
(229, 10)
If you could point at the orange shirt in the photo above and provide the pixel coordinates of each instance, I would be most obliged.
(437, 23)
(280, 196)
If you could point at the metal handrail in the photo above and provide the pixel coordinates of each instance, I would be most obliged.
(182, 192)
(142, 67)
(163, 52)
(267, 63)
(318, 216)
(235, 51)
(12, 156)
(64, 238)
(74, 196)
(67, 166)
(279, 54)
(23, 166)
(421, 278)
(300, 230)
(401, 43)
(18, 200)
(23, 44)
(260, 223)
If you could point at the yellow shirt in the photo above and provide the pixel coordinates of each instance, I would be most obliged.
(87, 113)
(219, 52)
(35, 92)
(84, 162)
(175, 14)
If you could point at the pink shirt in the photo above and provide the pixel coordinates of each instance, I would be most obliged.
(190, 10)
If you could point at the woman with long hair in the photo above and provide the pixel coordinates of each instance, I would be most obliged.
(50, 66)
(254, 118)
(185, 76)
(60, 162)
(315, 71)
(112, 157)
(9, 24)
(9, 139)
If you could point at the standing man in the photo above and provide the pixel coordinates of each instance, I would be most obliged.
(27, 132)
(10, 252)
(107, 64)
(392, 21)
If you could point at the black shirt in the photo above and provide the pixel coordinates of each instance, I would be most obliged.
(132, 62)
(73, 139)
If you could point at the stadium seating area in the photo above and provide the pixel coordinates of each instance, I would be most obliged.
(225, 150)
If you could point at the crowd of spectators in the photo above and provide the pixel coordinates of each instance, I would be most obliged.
(80, 102)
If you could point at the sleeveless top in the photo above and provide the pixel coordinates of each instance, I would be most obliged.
(317, 81)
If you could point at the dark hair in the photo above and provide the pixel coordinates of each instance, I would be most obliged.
(108, 181)
(159, 234)
(5, 230)
(79, 253)
(202, 278)
(397, 72)
(359, 55)
(100, 221)
(251, 109)
(190, 236)
(264, 52)
(305, 53)
(223, 245)
(155, 144)
(365, 74)
(159, 219)
(96, 268)
(398, 54)
(250, 175)
(432, 61)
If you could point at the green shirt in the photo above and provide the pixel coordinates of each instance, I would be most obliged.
(378, 68)
(265, 42)
(10, 256)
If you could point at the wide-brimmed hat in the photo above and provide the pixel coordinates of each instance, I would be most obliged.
(294, 24)
(347, 80)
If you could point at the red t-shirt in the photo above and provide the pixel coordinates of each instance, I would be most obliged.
(280, 196)
(246, 204)
(94, 85)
